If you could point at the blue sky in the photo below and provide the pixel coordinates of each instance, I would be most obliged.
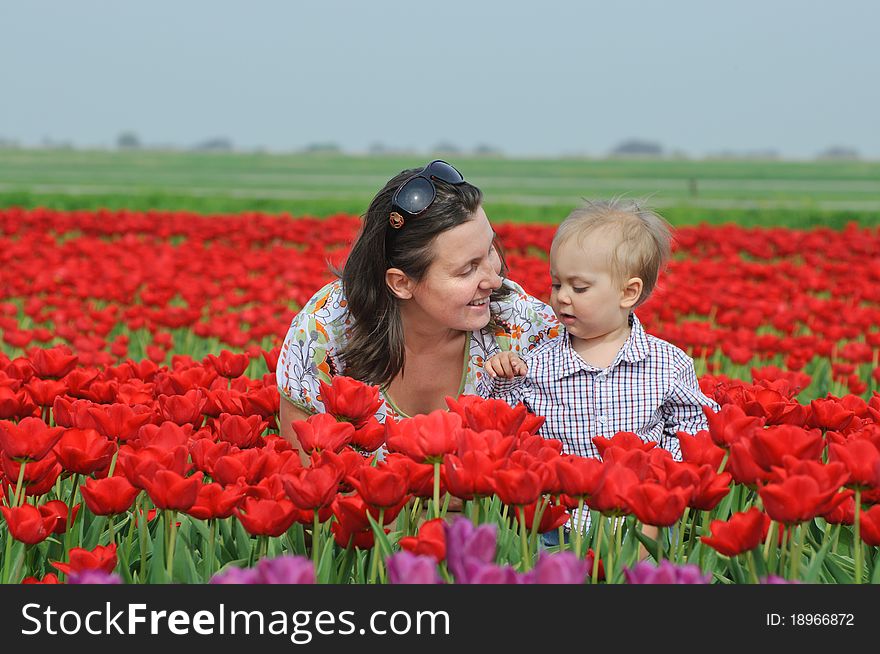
(566, 78)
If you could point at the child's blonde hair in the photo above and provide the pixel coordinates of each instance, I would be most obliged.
(642, 239)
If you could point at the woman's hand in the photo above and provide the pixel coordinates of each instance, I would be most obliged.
(505, 364)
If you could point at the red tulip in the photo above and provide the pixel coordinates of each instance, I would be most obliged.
(322, 432)
(481, 415)
(700, 449)
(731, 424)
(552, 517)
(862, 460)
(52, 363)
(215, 501)
(380, 486)
(469, 475)
(869, 523)
(171, 491)
(228, 364)
(654, 504)
(424, 438)
(239, 430)
(740, 533)
(266, 517)
(29, 440)
(623, 440)
(770, 445)
(103, 558)
(29, 524)
(431, 540)
(108, 496)
(830, 414)
(84, 451)
(579, 476)
(349, 400)
(517, 486)
(315, 487)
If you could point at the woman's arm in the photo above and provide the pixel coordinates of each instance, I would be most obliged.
(289, 412)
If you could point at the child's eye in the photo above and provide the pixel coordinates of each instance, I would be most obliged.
(580, 289)
(555, 287)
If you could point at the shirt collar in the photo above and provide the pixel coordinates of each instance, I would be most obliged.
(568, 362)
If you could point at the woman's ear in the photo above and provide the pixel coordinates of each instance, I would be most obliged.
(399, 283)
(632, 291)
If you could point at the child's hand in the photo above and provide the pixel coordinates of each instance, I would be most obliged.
(505, 364)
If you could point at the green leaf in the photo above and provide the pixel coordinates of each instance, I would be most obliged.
(157, 574)
(812, 574)
(327, 564)
(379, 536)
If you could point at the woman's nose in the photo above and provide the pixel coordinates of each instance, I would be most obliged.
(491, 279)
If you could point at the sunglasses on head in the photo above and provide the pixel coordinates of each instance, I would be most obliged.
(417, 193)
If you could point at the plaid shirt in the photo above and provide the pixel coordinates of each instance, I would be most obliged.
(650, 389)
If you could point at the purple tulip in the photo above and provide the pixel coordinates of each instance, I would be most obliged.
(408, 568)
(478, 572)
(559, 568)
(464, 543)
(235, 575)
(665, 573)
(94, 577)
(287, 569)
(773, 579)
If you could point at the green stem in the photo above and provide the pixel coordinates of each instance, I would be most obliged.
(18, 485)
(475, 511)
(596, 547)
(524, 538)
(680, 540)
(172, 530)
(436, 489)
(750, 557)
(377, 554)
(141, 519)
(316, 540)
(796, 552)
(579, 528)
(857, 540)
(212, 544)
(70, 517)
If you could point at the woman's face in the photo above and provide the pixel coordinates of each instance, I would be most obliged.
(455, 290)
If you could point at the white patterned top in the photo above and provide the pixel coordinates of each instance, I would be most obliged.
(318, 333)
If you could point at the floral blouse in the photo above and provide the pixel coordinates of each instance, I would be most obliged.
(318, 333)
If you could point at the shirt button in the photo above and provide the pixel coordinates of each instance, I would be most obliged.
(603, 419)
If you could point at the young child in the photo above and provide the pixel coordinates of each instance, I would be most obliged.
(607, 375)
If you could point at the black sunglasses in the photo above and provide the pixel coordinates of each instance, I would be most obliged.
(416, 194)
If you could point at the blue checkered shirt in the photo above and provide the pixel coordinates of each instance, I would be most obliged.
(650, 389)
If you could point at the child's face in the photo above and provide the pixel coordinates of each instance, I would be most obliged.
(584, 295)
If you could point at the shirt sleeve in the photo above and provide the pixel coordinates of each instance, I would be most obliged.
(513, 391)
(304, 360)
(522, 322)
(683, 407)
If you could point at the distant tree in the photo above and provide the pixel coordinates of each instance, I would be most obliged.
(638, 148)
(8, 144)
(486, 150)
(377, 148)
(128, 140)
(322, 148)
(839, 152)
(447, 147)
(217, 144)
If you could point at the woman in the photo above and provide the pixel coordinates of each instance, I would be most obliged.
(419, 307)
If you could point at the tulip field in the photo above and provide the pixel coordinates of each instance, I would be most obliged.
(139, 420)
